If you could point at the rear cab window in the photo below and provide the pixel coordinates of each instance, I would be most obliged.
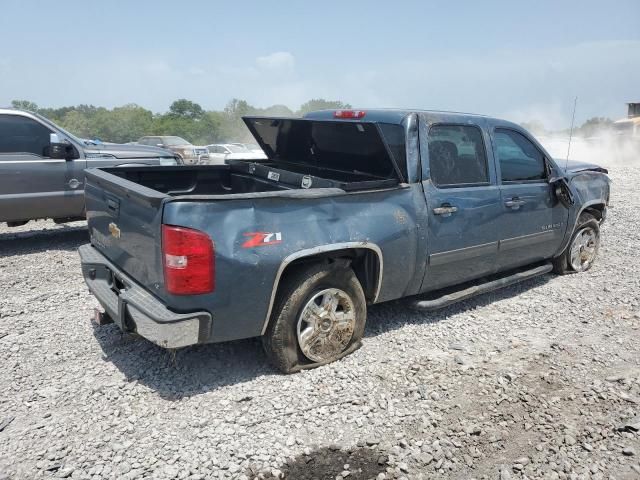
(457, 156)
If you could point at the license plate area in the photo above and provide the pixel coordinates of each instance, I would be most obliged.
(116, 283)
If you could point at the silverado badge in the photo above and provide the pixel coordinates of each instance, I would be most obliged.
(115, 231)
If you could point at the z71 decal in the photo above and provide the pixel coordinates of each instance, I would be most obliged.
(259, 239)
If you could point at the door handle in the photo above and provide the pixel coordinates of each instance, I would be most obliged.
(74, 183)
(515, 203)
(445, 210)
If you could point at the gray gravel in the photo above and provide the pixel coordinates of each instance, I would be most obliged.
(541, 380)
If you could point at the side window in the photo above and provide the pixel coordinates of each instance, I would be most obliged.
(20, 134)
(519, 159)
(457, 156)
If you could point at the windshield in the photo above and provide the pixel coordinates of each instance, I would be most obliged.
(172, 141)
(70, 135)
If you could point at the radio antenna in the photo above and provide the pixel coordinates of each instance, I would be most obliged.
(573, 117)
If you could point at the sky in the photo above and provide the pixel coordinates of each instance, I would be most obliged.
(517, 60)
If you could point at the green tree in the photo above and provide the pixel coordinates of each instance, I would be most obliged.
(77, 123)
(275, 111)
(24, 105)
(188, 120)
(237, 108)
(184, 108)
(322, 104)
(233, 128)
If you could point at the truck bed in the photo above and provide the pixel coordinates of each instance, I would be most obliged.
(242, 177)
(234, 205)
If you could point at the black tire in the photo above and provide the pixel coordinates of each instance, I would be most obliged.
(298, 289)
(562, 263)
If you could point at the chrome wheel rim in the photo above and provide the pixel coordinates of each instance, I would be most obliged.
(584, 249)
(326, 325)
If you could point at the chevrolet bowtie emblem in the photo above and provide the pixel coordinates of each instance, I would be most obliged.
(115, 231)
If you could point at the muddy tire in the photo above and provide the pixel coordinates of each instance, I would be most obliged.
(582, 249)
(318, 317)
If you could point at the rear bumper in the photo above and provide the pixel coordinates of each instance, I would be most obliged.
(134, 309)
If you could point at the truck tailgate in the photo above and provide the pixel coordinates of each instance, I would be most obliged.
(124, 220)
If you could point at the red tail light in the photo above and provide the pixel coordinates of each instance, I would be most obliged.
(349, 113)
(189, 261)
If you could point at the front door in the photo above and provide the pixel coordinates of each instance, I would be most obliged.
(33, 185)
(533, 221)
(463, 202)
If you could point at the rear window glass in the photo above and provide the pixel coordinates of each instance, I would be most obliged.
(344, 146)
(457, 155)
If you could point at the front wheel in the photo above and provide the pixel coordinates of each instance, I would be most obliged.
(583, 248)
(319, 317)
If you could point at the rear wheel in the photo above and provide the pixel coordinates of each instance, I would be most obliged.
(583, 248)
(319, 317)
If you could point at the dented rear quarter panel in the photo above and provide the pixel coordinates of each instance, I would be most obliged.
(245, 277)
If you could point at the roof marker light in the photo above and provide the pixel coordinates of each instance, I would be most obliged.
(349, 113)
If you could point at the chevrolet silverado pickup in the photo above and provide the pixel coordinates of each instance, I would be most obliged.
(42, 167)
(351, 208)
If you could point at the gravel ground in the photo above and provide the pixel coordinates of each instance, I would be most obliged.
(540, 380)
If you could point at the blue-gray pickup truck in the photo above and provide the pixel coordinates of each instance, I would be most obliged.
(350, 208)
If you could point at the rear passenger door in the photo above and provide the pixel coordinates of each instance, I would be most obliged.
(463, 203)
(532, 221)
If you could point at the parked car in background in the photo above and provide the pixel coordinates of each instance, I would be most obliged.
(352, 208)
(252, 147)
(42, 167)
(188, 153)
(220, 152)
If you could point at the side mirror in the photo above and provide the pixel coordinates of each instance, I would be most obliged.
(562, 191)
(58, 148)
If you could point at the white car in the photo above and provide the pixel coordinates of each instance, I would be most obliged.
(252, 147)
(220, 152)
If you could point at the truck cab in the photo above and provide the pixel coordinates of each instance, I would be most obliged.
(42, 167)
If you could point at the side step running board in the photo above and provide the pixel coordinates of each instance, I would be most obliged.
(474, 290)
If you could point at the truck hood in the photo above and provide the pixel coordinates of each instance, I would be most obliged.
(575, 166)
(127, 151)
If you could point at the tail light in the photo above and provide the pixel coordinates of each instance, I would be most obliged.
(189, 261)
(349, 114)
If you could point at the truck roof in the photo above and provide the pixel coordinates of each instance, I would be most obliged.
(16, 111)
(397, 115)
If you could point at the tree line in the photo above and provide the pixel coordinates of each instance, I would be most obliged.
(184, 118)
(189, 120)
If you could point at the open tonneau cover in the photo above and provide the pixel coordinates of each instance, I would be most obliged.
(343, 152)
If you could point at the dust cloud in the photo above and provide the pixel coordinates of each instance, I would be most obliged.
(605, 149)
